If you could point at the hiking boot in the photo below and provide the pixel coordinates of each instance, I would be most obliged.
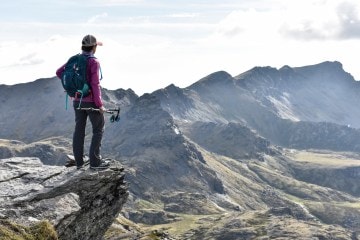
(80, 167)
(103, 165)
(70, 163)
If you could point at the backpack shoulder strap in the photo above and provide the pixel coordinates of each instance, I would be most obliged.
(101, 75)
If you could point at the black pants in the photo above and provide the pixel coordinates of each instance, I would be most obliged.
(98, 122)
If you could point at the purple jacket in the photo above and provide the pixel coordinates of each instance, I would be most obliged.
(92, 73)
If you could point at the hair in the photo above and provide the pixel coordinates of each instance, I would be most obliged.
(87, 49)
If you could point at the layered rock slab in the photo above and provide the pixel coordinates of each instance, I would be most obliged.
(81, 204)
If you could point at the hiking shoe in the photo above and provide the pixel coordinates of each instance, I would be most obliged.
(103, 165)
(80, 167)
(70, 163)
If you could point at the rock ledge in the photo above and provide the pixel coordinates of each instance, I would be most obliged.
(81, 204)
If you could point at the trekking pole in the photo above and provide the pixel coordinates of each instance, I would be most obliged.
(114, 117)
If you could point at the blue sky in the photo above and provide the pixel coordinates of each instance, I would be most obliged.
(149, 44)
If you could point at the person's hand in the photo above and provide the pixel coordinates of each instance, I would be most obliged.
(102, 109)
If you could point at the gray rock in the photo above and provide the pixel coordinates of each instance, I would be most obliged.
(152, 217)
(81, 204)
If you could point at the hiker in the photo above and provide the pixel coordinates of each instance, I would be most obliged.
(94, 101)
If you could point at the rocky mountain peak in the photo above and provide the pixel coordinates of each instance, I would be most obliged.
(171, 88)
(328, 65)
(233, 140)
(325, 71)
(169, 92)
(257, 72)
(126, 97)
(214, 79)
(287, 69)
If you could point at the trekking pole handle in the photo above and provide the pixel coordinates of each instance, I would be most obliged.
(111, 111)
(88, 109)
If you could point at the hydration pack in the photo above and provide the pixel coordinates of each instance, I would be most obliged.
(73, 78)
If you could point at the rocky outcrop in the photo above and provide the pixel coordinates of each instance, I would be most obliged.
(232, 140)
(81, 204)
(50, 151)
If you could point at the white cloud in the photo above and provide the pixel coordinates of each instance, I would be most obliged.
(249, 23)
(98, 17)
(300, 20)
(349, 18)
(29, 59)
(33, 60)
(324, 20)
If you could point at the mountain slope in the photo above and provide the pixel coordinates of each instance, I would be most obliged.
(301, 107)
(159, 156)
(320, 93)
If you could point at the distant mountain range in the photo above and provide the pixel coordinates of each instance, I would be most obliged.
(307, 107)
(229, 144)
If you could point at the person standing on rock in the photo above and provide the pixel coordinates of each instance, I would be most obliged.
(92, 101)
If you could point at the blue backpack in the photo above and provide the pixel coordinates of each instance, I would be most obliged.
(73, 78)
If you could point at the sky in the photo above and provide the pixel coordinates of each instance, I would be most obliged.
(150, 44)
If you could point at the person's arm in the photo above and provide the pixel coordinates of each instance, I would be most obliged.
(60, 71)
(94, 82)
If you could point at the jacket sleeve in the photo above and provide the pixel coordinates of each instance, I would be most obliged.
(60, 71)
(94, 81)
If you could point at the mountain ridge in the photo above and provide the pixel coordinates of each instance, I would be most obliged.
(323, 87)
